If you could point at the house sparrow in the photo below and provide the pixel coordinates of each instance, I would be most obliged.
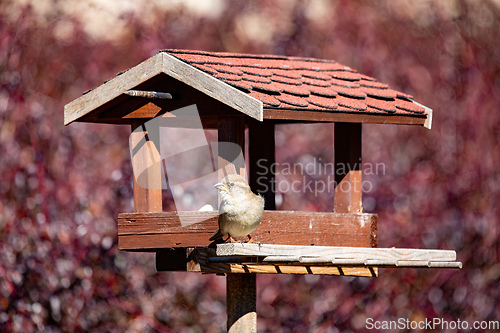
(240, 210)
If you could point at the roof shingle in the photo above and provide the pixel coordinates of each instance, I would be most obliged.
(301, 83)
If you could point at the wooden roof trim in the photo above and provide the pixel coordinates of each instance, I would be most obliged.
(344, 117)
(428, 119)
(163, 63)
(112, 89)
(212, 87)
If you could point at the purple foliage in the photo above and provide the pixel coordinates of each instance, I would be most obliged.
(61, 188)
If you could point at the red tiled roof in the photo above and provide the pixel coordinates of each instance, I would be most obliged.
(293, 83)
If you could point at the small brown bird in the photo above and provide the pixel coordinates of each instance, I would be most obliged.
(240, 210)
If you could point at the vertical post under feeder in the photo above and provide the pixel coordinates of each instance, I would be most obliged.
(241, 288)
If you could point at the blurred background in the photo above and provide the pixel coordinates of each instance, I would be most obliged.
(61, 188)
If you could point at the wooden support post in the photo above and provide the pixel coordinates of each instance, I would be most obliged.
(148, 197)
(241, 303)
(231, 130)
(241, 288)
(348, 173)
(261, 148)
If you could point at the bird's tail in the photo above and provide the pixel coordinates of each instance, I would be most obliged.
(216, 235)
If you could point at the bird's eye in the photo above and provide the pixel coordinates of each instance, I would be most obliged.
(232, 184)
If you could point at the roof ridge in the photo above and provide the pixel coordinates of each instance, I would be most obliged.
(246, 55)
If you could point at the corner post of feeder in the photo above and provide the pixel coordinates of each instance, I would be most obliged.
(146, 198)
(231, 129)
(241, 288)
(261, 151)
(348, 173)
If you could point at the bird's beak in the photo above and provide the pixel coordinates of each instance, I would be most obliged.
(221, 187)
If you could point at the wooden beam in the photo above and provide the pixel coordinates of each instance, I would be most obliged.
(124, 108)
(288, 269)
(146, 71)
(335, 252)
(146, 159)
(241, 292)
(343, 116)
(231, 146)
(348, 173)
(149, 231)
(288, 262)
(140, 109)
(112, 89)
(282, 259)
(329, 261)
(198, 260)
(261, 149)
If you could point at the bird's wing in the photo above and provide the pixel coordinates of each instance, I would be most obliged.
(216, 235)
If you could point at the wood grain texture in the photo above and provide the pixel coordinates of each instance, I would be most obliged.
(139, 110)
(112, 89)
(122, 110)
(287, 269)
(196, 260)
(147, 184)
(351, 261)
(241, 297)
(329, 261)
(125, 108)
(321, 116)
(241, 249)
(147, 70)
(147, 231)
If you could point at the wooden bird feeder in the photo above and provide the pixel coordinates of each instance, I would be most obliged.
(234, 92)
